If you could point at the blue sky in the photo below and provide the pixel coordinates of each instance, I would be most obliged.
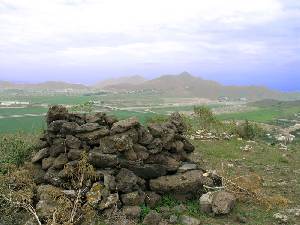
(232, 41)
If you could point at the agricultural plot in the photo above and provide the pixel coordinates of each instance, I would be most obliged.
(143, 106)
(264, 114)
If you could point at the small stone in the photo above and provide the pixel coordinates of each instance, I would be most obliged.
(178, 146)
(152, 199)
(165, 211)
(100, 160)
(56, 126)
(155, 146)
(133, 198)
(60, 161)
(45, 208)
(222, 203)
(186, 167)
(98, 117)
(43, 153)
(173, 219)
(41, 144)
(87, 127)
(144, 135)
(74, 154)
(47, 163)
(164, 222)
(109, 202)
(72, 142)
(180, 208)
(130, 155)
(206, 202)
(152, 218)
(178, 121)
(132, 212)
(124, 125)
(110, 120)
(69, 128)
(46, 205)
(141, 152)
(155, 129)
(37, 172)
(70, 193)
(56, 112)
(188, 147)
(281, 217)
(241, 219)
(93, 137)
(188, 183)
(57, 147)
(52, 177)
(110, 182)
(116, 143)
(164, 159)
(148, 171)
(126, 181)
(95, 194)
(188, 220)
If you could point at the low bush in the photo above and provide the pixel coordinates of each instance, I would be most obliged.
(16, 148)
(249, 131)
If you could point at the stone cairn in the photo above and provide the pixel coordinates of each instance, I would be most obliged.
(136, 164)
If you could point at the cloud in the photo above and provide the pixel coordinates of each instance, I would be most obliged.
(165, 33)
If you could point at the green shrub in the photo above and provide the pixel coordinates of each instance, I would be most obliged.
(87, 107)
(16, 148)
(205, 119)
(204, 115)
(249, 131)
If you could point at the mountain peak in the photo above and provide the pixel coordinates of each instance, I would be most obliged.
(135, 79)
(185, 74)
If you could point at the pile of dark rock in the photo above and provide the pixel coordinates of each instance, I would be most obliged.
(135, 164)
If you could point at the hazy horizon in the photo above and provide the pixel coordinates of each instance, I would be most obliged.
(85, 41)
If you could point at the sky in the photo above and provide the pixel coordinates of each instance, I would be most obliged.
(84, 41)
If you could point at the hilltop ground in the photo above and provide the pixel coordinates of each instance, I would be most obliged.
(278, 168)
(278, 171)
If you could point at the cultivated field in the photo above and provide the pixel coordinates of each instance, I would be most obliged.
(29, 118)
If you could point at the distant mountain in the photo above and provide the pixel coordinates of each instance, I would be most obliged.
(49, 85)
(6, 84)
(186, 85)
(122, 81)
